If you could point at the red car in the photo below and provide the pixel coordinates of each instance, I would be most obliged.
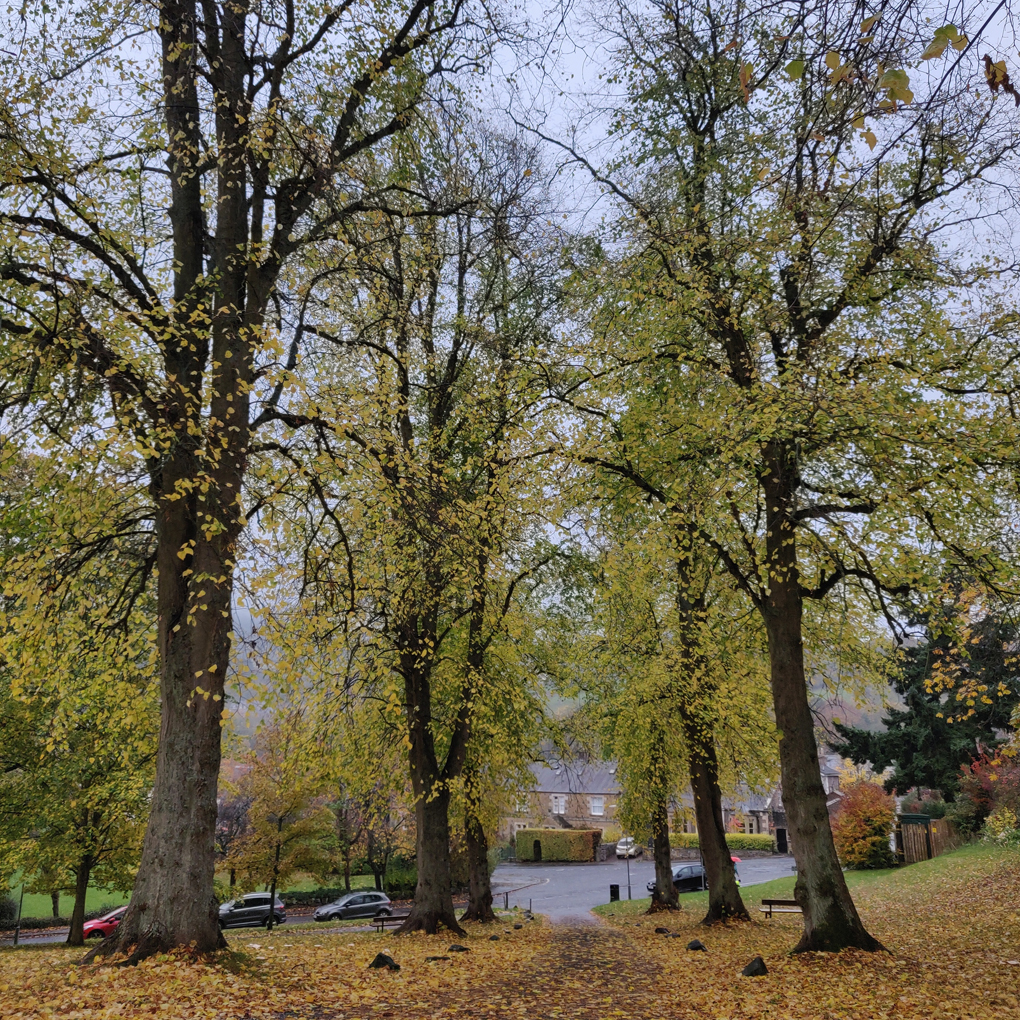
(102, 927)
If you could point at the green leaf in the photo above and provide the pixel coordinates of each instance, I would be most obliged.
(935, 48)
(795, 69)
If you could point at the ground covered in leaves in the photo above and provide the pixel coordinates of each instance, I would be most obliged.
(952, 927)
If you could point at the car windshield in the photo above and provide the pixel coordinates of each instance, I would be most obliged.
(346, 898)
(227, 905)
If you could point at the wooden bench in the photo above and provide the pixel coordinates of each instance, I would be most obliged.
(388, 921)
(770, 907)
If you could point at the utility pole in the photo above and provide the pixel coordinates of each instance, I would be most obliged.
(628, 877)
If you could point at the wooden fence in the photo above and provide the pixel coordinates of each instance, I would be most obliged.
(920, 838)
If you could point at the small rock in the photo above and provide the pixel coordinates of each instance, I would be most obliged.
(431, 959)
(517, 927)
(661, 931)
(382, 960)
(493, 938)
(676, 935)
(458, 949)
(697, 946)
(756, 968)
(506, 931)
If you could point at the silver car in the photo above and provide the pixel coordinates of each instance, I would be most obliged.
(354, 904)
(251, 911)
(628, 847)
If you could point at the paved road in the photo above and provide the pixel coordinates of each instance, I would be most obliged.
(569, 891)
(560, 891)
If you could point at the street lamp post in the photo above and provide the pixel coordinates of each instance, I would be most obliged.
(628, 877)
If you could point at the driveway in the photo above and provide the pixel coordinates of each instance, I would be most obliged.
(568, 891)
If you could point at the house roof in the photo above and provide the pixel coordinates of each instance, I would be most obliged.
(576, 777)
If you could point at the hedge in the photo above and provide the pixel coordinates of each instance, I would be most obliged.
(734, 840)
(559, 844)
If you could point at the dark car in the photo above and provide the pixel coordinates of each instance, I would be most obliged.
(103, 927)
(690, 878)
(355, 904)
(251, 911)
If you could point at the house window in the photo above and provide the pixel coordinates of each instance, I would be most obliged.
(598, 805)
(559, 803)
(522, 805)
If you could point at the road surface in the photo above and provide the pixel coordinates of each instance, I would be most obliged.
(568, 891)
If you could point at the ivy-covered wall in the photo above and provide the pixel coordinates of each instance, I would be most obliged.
(559, 844)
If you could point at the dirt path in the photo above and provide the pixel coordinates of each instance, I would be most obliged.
(585, 970)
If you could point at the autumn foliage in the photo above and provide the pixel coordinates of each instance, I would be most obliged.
(862, 827)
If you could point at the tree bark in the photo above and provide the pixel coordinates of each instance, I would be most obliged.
(479, 906)
(272, 885)
(724, 899)
(55, 903)
(76, 935)
(831, 921)
(433, 896)
(664, 896)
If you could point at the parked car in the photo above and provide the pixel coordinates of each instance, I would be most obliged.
(628, 847)
(103, 927)
(690, 878)
(355, 904)
(251, 911)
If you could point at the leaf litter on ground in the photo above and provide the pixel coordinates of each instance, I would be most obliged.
(952, 927)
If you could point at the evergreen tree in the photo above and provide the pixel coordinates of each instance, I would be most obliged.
(926, 741)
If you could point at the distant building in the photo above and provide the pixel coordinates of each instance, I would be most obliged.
(569, 795)
(585, 795)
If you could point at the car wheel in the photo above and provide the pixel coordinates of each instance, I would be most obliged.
(94, 934)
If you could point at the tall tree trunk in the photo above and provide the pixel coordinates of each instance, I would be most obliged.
(272, 885)
(76, 936)
(724, 899)
(664, 896)
(347, 870)
(831, 921)
(55, 902)
(723, 895)
(433, 896)
(479, 906)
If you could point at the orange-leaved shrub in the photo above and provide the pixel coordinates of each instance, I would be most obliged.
(862, 827)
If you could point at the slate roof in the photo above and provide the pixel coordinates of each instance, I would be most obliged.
(575, 777)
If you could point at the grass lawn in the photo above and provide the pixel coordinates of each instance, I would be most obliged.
(40, 905)
(952, 928)
(887, 880)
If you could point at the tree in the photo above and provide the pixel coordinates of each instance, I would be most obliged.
(863, 825)
(164, 168)
(421, 534)
(289, 822)
(935, 733)
(687, 683)
(78, 691)
(231, 825)
(783, 208)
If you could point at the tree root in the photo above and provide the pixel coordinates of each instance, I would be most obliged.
(658, 906)
(429, 922)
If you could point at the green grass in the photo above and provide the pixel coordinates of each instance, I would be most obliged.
(961, 860)
(305, 883)
(39, 905)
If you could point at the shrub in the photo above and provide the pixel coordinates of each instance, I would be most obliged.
(914, 803)
(987, 784)
(734, 840)
(559, 844)
(862, 826)
(1003, 827)
(8, 908)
